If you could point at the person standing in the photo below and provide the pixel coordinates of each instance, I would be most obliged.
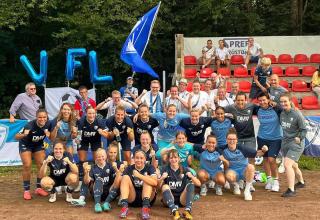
(81, 104)
(26, 104)
(153, 98)
(129, 91)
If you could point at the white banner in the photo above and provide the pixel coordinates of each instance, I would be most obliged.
(54, 97)
(270, 44)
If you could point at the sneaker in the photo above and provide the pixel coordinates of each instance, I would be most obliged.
(203, 190)
(211, 184)
(252, 189)
(241, 184)
(78, 202)
(281, 168)
(27, 195)
(227, 185)
(40, 192)
(77, 189)
(176, 215)
(187, 215)
(299, 185)
(247, 195)
(124, 212)
(53, 197)
(219, 190)
(289, 193)
(275, 186)
(244, 66)
(145, 213)
(59, 190)
(269, 184)
(97, 208)
(236, 189)
(106, 207)
(69, 197)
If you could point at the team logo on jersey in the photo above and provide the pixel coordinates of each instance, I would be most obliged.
(202, 126)
(4, 130)
(249, 111)
(108, 170)
(123, 127)
(149, 126)
(95, 127)
(291, 119)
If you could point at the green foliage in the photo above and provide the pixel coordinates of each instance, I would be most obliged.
(309, 163)
(29, 26)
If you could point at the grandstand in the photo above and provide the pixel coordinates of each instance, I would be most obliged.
(294, 67)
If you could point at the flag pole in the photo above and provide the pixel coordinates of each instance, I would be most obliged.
(164, 89)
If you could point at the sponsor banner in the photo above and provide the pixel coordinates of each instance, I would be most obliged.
(54, 97)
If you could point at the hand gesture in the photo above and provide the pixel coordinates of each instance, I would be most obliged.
(144, 91)
(129, 130)
(264, 148)
(49, 159)
(125, 99)
(66, 159)
(116, 132)
(152, 153)
(122, 167)
(47, 133)
(86, 167)
(58, 125)
(297, 140)
(99, 130)
(135, 173)
(189, 175)
(164, 175)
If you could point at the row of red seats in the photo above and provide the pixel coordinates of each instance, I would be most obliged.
(308, 102)
(282, 59)
(243, 72)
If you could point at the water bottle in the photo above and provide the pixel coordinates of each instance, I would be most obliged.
(118, 138)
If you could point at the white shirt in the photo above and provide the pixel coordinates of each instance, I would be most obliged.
(112, 107)
(185, 96)
(199, 100)
(227, 101)
(175, 102)
(222, 53)
(146, 100)
(209, 52)
(255, 49)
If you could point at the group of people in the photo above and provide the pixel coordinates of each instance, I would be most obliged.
(153, 141)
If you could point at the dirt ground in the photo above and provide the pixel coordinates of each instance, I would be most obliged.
(265, 205)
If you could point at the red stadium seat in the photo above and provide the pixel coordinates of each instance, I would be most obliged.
(300, 86)
(244, 86)
(228, 86)
(277, 70)
(284, 84)
(202, 86)
(237, 59)
(310, 103)
(206, 73)
(301, 58)
(255, 101)
(190, 60)
(285, 58)
(315, 58)
(292, 71)
(308, 70)
(189, 87)
(240, 72)
(272, 58)
(295, 102)
(224, 71)
(190, 73)
(253, 70)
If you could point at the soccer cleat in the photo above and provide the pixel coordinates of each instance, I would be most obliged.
(40, 192)
(97, 208)
(269, 184)
(236, 189)
(187, 215)
(176, 215)
(124, 212)
(252, 189)
(241, 184)
(27, 195)
(275, 186)
(69, 197)
(78, 202)
(211, 184)
(145, 213)
(203, 190)
(77, 189)
(59, 190)
(106, 206)
(289, 193)
(227, 185)
(53, 197)
(219, 190)
(299, 185)
(247, 195)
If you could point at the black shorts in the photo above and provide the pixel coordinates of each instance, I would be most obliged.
(274, 147)
(32, 149)
(59, 181)
(94, 146)
(138, 200)
(125, 144)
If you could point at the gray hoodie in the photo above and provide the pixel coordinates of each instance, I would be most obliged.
(293, 125)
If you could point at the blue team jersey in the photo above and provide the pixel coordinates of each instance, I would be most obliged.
(236, 159)
(36, 134)
(148, 156)
(210, 161)
(168, 127)
(195, 133)
(64, 132)
(263, 75)
(107, 174)
(89, 132)
(269, 128)
(138, 183)
(184, 153)
(59, 168)
(220, 130)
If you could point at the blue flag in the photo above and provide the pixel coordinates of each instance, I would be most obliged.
(136, 43)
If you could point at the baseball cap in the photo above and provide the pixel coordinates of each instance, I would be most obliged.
(183, 80)
(129, 77)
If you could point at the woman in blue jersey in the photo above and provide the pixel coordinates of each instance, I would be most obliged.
(220, 127)
(168, 126)
(210, 167)
(63, 172)
(292, 145)
(269, 134)
(63, 127)
(31, 145)
(177, 184)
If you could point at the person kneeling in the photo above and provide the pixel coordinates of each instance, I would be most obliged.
(63, 172)
(177, 184)
(138, 186)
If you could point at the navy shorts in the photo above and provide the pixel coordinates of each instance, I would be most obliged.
(32, 149)
(59, 181)
(125, 144)
(137, 202)
(274, 147)
(254, 59)
(94, 146)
